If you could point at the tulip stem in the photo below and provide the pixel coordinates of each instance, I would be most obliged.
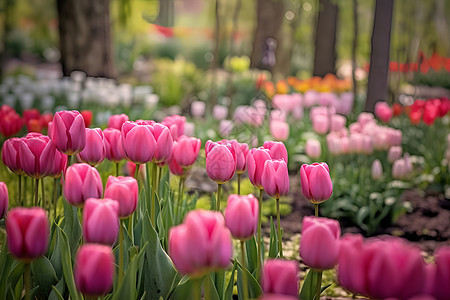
(159, 177)
(153, 200)
(280, 238)
(197, 288)
(55, 198)
(219, 191)
(19, 203)
(24, 202)
(316, 210)
(44, 203)
(36, 190)
(244, 274)
(318, 284)
(258, 262)
(180, 195)
(121, 229)
(27, 280)
(69, 160)
(117, 169)
(136, 172)
(239, 184)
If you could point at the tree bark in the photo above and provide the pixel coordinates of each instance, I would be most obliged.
(325, 41)
(377, 87)
(166, 13)
(354, 45)
(85, 37)
(269, 17)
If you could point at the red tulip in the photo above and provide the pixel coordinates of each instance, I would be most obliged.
(87, 116)
(10, 121)
(94, 269)
(397, 109)
(275, 178)
(220, 161)
(27, 231)
(241, 216)
(10, 155)
(68, 132)
(4, 199)
(316, 182)
(256, 158)
(185, 151)
(138, 142)
(36, 154)
(113, 145)
(101, 221)
(280, 277)
(116, 121)
(125, 191)
(82, 182)
(95, 151)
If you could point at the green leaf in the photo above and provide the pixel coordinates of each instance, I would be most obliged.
(254, 289)
(72, 227)
(55, 258)
(16, 273)
(273, 245)
(308, 290)
(6, 262)
(361, 216)
(210, 289)
(56, 294)
(219, 282)
(60, 290)
(229, 290)
(67, 265)
(44, 275)
(31, 293)
(252, 254)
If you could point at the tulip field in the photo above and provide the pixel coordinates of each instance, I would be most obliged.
(296, 195)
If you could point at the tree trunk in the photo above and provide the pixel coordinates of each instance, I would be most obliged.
(324, 50)
(8, 19)
(269, 17)
(85, 37)
(377, 87)
(354, 45)
(166, 13)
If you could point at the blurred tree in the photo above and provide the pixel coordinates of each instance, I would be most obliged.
(85, 37)
(269, 16)
(377, 86)
(166, 13)
(325, 41)
(8, 19)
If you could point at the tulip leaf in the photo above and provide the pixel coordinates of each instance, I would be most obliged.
(252, 254)
(44, 275)
(183, 290)
(273, 245)
(229, 290)
(210, 288)
(31, 293)
(157, 282)
(308, 290)
(254, 289)
(6, 262)
(55, 258)
(57, 290)
(16, 273)
(67, 265)
(72, 227)
(55, 294)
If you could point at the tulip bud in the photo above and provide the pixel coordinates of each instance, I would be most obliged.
(220, 161)
(316, 182)
(27, 231)
(319, 245)
(208, 240)
(82, 182)
(175, 168)
(164, 142)
(351, 271)
(256, 158)
(94, 269)
(277, 150)
(4, 199)
(10, 121)
(220, 112)
(101, 221)
(94, 152)
(279, 130)
(59, 165)
(313, 148)
(87, 117)
(116, 121)
(395, 152)
(36, 155)
(113, 145)
(241, 157)
(377, 169)
(337, 122)
(275, 178)
(185, 151)
(176, 125)
(280, 277)
(241, 216)
(125, 191)
(383, 111)
(321, 123)
(10, 155)
(68, 132)
(138, 142)
(198, 108)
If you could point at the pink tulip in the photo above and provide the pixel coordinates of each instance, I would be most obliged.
(82, 182)
(319, 245)
(189, 129)
(113, 145)
(220, 161)
(279, 130)
(220, 112)
(383, 111)
(164, 142)
(225, 127)
(185, 151)
(175, 168)
(310, 98)
(131, 169)
(198, 108)
(241, 157)
(241, 216)
(94, 152)
(10, 155)
(36, 155)
(280, 277)
(101, 221)
(116, 121)
(4, 199)
(125, 191)
(440, 287)
(284, 102)
(399, 169)
(337, 122)
(202, 243)
(94, 269)
(27, 231)
(313, 148)
(138, 142)
(321, 124)
(277, 150)
(59, 165)
(256, 158)
(356, 143)
(275, 178)
(278, 115)
(176, 125)
(365, 118)
(377, 169)
(316, 182)
(395, 152)
(344, 104)
(68, 132)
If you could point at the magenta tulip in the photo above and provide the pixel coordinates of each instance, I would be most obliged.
(94, 269)
(10, 155)
(164, 142)
(101, 221)
(241, 216)
(440, 286)
(125, 191)
(319, 245)
(36, 155)
(256, 158)
(116, 121)
(27, 231)
(275, 178)
(138, 142)
(68, 132)
(316, 182)
(277, 150)
(241, 157)
(94, 152)
(383, 111)
(4, 199)
(59, 165)
(280, 277)
(185, 151)
(113, 145)
(313, 148)
(201, 244)
(220, 161)
(82, 182)
(351, 271)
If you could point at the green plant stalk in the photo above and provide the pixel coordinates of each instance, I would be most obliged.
(244, 274)
(316, 210)
(153, 194)
(318, 285)
(36, 192)
(158, 178)
(197, 288)
(27, 280)
(280, 238)
(117, 169)
(136, 172)
(258, 246)
(44, 203)
(180, 195)
(69, 160)
(121, 238)
(219, 191)
(239, 184)
(19, 193)
(55, 198)
(24, 202)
